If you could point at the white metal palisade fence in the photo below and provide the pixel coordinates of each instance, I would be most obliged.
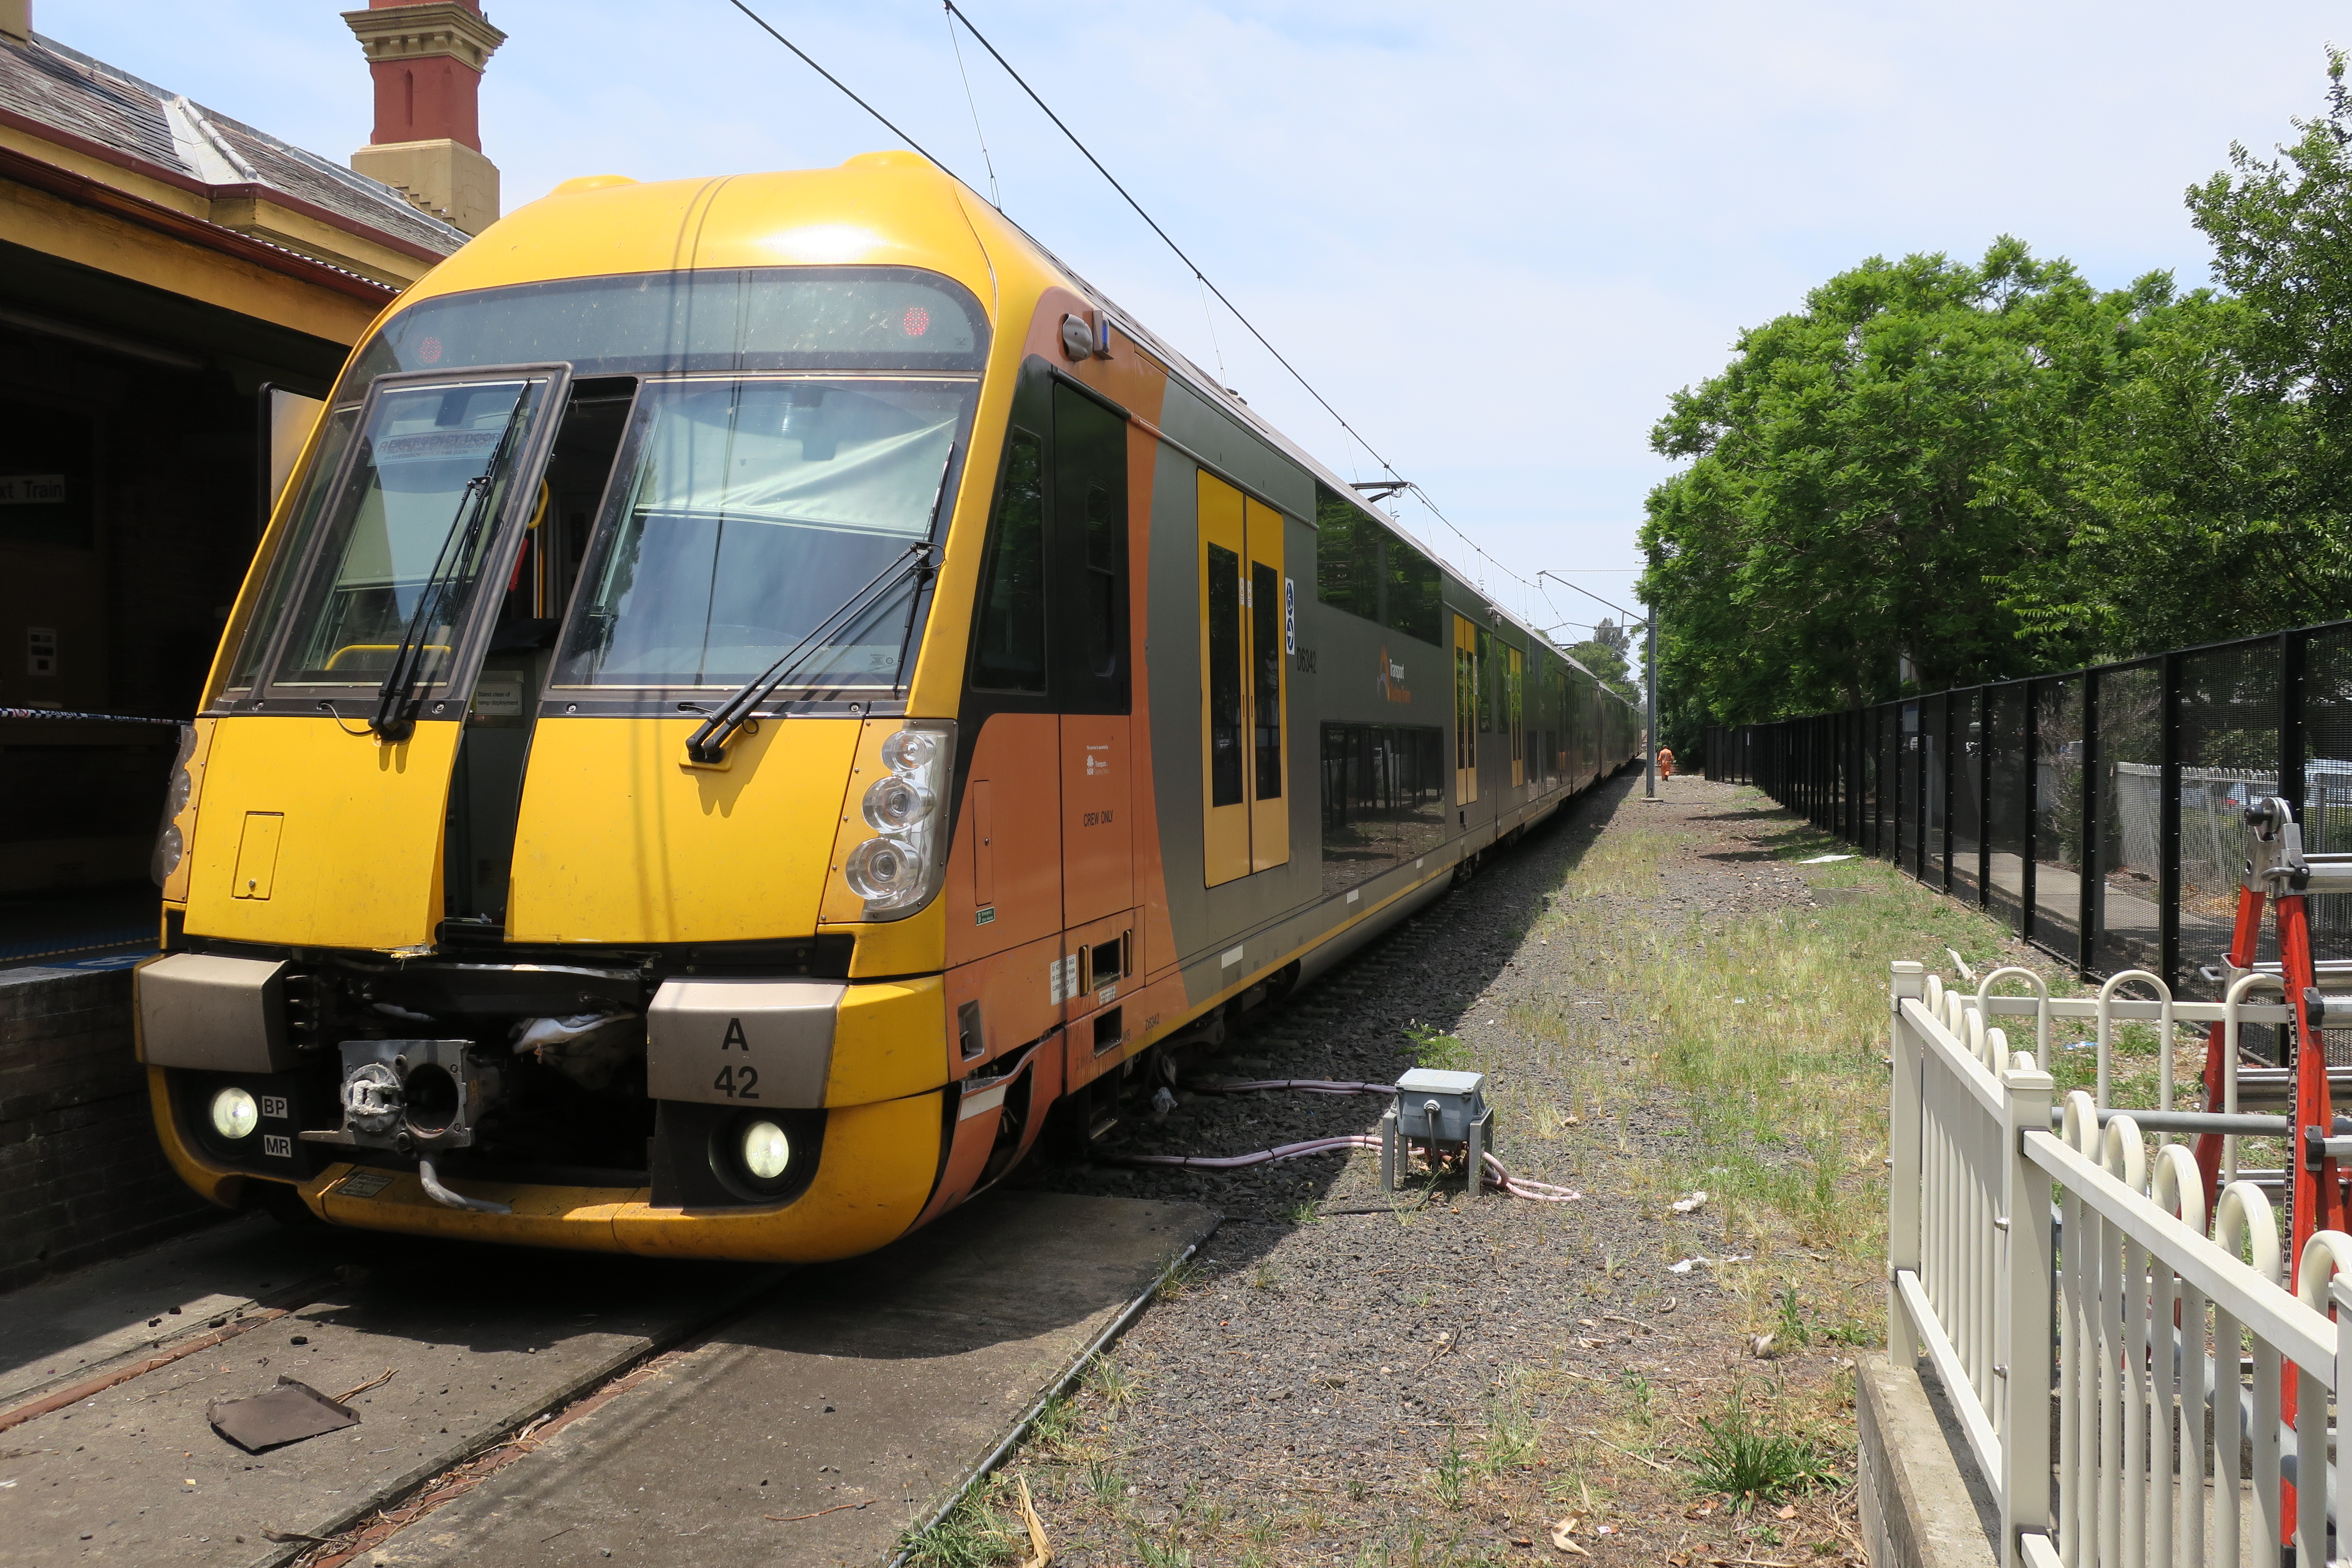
(2071, 1291)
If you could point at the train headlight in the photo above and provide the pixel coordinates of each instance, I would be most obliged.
(895, 804)
(235, 1114)
(171, 845)
(765, 1150)
(897, 873)
(911, 752)
(169, 848)
(884, 870)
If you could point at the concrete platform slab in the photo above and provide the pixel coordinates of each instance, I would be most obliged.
(880, 1382)
(72, 1325)
(478, 1339)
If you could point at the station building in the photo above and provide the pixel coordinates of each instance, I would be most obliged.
(176, 289)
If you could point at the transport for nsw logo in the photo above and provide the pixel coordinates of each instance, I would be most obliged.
(1391, 681)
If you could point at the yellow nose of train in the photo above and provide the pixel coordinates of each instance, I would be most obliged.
(757, 690)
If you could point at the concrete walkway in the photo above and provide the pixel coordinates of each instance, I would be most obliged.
(860, 1395)
(880, 1382)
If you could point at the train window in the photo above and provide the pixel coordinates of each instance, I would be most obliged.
(1225, 689)
(1383, 799)
(1348, 569)
(1486, 678)
(743, 515)
(1100, 613)
(1265, 701)
(1224, 591)
(1363, 568)
(410, 525)
(1466, 641)
(1516, 715)
(1087, 554)
(665, 323)
(1270, 807)
(1412, 602)
(293, 543)
(1009, 654)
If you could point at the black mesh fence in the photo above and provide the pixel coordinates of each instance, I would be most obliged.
(1935, 812)
(2058, 815)
(2005, 804)
(1967, 787)
(2100, 813)
(2130, 830)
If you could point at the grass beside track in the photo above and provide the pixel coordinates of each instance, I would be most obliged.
(1709, 1016)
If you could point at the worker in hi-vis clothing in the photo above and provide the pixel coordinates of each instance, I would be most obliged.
(1665, 761)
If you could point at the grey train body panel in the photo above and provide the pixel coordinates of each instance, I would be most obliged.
(1345, 671)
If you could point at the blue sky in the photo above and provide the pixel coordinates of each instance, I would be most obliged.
(1496, 236)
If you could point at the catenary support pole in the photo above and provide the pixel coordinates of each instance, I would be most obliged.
(1650, 680)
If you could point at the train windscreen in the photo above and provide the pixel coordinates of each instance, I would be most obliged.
(744, 515)
(407, 531)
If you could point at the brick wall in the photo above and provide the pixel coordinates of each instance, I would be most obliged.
(81, 1176)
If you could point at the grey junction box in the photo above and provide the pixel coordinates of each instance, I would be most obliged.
(1442, 1108)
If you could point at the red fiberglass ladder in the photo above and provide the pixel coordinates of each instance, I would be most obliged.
(2280, 873)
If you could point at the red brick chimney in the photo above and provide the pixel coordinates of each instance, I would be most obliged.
(426, 57)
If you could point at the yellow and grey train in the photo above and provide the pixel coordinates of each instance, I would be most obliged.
(760, 689)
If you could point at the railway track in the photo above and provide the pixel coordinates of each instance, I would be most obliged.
(547, 1407)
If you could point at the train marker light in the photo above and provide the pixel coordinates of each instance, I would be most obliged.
(766, 1150)
(235, 1114)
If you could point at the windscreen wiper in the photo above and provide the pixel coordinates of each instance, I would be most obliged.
(708, 744)
(396, 699)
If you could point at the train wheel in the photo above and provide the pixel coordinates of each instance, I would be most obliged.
(280, 1203)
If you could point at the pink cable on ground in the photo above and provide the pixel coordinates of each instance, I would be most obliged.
(1306, 1085)
(1236, 1162)
(1495, 1175)
(1521, 1187)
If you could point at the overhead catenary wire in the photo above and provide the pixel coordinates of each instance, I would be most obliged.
(761, 22)
(957, 15)
(995, 196)
(1637, 620)
(1167, 239)
(1205, 282)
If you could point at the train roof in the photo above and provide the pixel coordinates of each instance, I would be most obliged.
(893, 208)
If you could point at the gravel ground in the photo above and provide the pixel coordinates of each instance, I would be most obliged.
(1339, 1382)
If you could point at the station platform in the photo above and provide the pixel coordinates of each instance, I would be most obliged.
(79, 928)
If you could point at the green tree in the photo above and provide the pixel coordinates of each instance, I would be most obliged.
(1607, 661)
(2214, 483)
(1871, 482)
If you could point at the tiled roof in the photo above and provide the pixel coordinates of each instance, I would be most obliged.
(63, 89)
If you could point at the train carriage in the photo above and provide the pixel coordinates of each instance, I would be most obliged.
(760, 690)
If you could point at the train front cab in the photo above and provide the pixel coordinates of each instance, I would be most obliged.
(455, 902)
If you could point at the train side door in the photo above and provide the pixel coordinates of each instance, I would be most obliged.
(1244, 690)
(1092, 649)
(1466, 711)
(1269, 690)
(1515, 696)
